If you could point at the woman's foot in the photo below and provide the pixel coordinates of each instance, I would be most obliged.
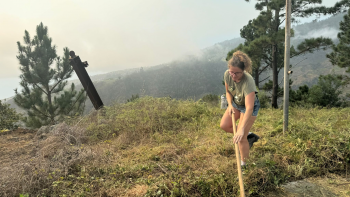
(244, 169)
(252, 137)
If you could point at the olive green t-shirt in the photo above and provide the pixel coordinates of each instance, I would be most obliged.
(241, 89)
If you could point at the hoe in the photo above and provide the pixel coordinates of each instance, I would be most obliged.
(238, 157)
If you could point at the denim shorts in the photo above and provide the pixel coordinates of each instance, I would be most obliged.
(242, 108)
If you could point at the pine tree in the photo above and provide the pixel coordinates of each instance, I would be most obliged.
(270, 39)
(341, 52)
(43, 95)
(255, 46)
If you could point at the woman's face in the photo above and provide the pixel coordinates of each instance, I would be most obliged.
(236, 73)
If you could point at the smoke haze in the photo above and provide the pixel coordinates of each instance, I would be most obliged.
(116, 35)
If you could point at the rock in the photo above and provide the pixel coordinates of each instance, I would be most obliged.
(43, 129)
(43, 136)
(305, 188)
(60, 128)
(52, 127)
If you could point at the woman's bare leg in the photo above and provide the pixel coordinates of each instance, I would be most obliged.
(226, 120)
(243, 144)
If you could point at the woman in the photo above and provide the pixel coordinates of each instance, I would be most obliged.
(241, 95)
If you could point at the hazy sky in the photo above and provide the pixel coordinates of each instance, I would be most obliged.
(120, 34)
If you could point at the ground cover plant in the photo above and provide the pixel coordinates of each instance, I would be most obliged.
(167, 147)
(8, 117)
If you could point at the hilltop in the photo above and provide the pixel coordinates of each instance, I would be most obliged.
(163, 146)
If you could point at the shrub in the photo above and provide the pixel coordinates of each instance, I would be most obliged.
(133, 98)
(211, 98)
(327, 91)
(8, 117)
(264, 99)
(136, 120)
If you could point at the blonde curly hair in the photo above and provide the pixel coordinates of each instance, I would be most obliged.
(240, 60)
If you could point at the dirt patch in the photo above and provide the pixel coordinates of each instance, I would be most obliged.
(306, 188)
(16, 146)
(328, 186)
(31, 162)
(138, 190)
(335, 183)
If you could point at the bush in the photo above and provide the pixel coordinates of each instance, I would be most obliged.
(133, 98)
(327, 91)
(133, 121)
(264, 99)
(8, 117)
(211, 98)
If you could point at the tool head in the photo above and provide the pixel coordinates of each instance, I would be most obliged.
(72, 54)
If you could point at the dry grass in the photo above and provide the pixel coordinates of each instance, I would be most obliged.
(37, 162)
(154, 147)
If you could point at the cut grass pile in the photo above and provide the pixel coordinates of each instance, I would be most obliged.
(167, 147)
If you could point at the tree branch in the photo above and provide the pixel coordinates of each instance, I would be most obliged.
(298, 9)
(300, 62)
(34, 107)
(307, 49)
(39, 88)
(264, 79)
(76, 101)
(56, 84)
(282, 22)
(267, 62)
(262, 70)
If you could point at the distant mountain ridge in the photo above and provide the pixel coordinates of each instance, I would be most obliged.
(194, 76)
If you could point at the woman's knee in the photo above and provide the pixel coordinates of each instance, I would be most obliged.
(226, 127)
(243, 142)
(222, 125)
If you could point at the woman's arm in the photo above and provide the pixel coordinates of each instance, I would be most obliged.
(228, 95)
(249, 105)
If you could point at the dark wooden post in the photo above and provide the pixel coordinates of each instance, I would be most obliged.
(79, 68)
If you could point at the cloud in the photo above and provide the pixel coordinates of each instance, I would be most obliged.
(325, 32)
(115, 35)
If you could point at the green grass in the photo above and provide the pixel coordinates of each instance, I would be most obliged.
(165, 147)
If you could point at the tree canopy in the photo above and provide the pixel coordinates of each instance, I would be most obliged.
(341, 52)
(265, 36)
(43, 95)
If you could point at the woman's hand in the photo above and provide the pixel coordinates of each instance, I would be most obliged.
(231, 110)
(239, 135)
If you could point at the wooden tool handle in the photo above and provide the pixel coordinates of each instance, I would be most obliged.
(238, 157)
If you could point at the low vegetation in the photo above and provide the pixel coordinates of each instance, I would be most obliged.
(326, 93)
(8, 117)
(167, 147)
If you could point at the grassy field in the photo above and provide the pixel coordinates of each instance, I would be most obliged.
(166, 147)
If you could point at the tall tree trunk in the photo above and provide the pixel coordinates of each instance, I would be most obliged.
(52, 115)
(274, 64)
(275, 77)
(256, 75)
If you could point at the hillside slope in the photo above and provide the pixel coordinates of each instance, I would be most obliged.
(197, 75)
(162, 146)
